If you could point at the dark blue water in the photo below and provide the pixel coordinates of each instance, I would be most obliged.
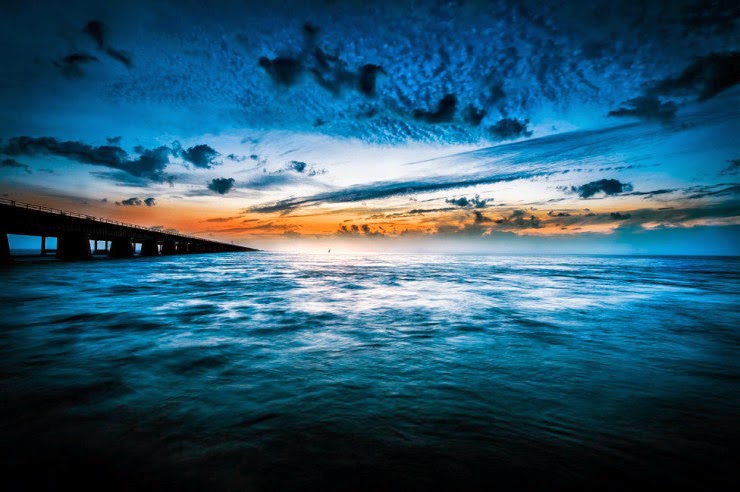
(293, 372)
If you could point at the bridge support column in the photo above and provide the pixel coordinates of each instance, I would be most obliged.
(121, 247)
(149, 248)
(168, 247)
(5, 249)
(43, 245)
(182, 247)
(73, 246)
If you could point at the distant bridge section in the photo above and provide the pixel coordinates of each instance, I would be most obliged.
(75, 231)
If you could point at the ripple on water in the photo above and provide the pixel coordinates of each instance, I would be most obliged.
(279, 372)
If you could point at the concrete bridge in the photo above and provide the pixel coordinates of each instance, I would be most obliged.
(74, 232)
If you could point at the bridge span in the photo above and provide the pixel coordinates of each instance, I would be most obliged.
(74, 233)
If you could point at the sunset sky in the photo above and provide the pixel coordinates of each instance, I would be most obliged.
(573, 127)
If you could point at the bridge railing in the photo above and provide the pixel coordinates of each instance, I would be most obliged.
(66, 213)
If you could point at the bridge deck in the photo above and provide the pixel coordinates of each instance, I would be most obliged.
(69, 227)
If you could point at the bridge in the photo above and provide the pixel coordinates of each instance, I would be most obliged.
(74, 233)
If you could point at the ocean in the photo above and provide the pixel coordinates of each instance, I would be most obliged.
(264, 371)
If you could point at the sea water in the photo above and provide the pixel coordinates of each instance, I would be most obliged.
(265, 371)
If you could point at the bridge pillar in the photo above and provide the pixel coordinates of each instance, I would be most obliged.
(182, 247)
(43, 245)
(5, 249)
(73, 246)
(168, 247)
(121, 247)
(149, 248)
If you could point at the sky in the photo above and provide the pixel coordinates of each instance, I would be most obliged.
(457, 126)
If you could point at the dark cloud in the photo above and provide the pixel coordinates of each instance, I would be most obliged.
(510, 128)
(480, 218)
(619, 216)
(200, 156)
(310, 33)
(606, 186)
(552, 213)
(329, 70)
(150, 202)
(520, 219)
(360, 230)
(647, 108)
(121, 56)
(71, 65)
(298, 166)
(475, 202)
(367, 79)
(113, 140)
(12, 163)
(221, 185)
(149, 164)
(720, 189)
(282, 70)
(98, 33)
(135, 201)
(732, 168)
(706, 77)
(473, 116)
(221, 219)
(444, 113)
(711, 16)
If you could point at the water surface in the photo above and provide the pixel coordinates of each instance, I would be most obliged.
(335, 372)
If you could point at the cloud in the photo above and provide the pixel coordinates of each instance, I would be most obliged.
(236, 158)
(519, 219)
(444, 113)
(360, 230)
(705, 77)
(606, 186)
(619, 216)
(221, 185)
(711, 16)
(480, 218)
(473, 116)
(221, 219)
(385, 189)
(475, 202)
(367, 79)
(12, 163)
(150, 202)
(283, 70)
(647, 108)
(510, 128)
(149, 164)
(298, 166)
(732, 168)
(130, 202)
(71, 65)
(121, 56)
(98, 32)
(200, 156)
(113, 140)
(329, 70)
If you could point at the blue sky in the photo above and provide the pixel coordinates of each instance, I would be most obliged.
(574, 126)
